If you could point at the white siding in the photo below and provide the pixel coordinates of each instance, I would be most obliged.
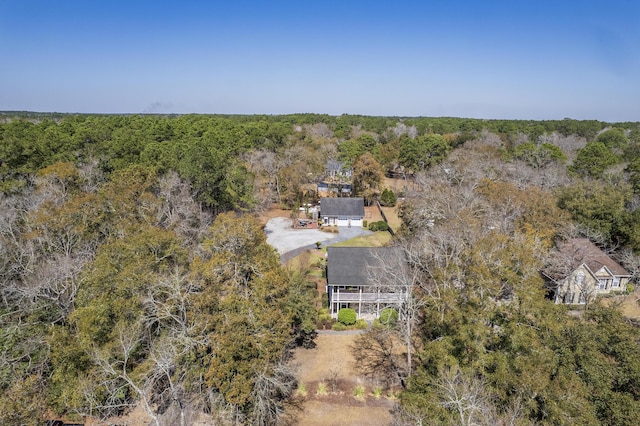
(343, 221)
(356, 221)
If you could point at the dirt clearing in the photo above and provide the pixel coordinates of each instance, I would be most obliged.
(328, 376)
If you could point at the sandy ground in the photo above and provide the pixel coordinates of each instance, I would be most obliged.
(332, 359)
(332, 353)
(322, 413)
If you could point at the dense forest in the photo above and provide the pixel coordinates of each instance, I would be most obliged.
(134, 271)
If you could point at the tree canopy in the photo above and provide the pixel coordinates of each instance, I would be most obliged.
(133, 270)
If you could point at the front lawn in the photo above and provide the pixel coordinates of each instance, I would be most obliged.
(392, 217)
(377, 239)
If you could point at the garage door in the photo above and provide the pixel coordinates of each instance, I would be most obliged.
(356, 221)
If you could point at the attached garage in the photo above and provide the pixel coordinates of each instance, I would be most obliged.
(342, 211)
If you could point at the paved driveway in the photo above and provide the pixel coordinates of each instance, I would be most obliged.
(289, 241)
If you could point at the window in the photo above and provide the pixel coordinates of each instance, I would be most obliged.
(568, 298)
(616, 282)
(602, 284)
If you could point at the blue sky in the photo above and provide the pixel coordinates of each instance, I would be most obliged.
(484, 59)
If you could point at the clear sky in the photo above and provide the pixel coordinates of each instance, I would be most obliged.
(515, 59)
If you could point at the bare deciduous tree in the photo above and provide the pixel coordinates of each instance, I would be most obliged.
(466, 396)
(179, 210)
(269, 392)
(115, 366)
(378, 357)
(394, 274)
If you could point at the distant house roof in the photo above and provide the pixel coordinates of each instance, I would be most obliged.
(581, 250)
(355, 265)
(342, 207)
(334, 166)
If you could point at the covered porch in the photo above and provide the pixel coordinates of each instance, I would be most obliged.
(365, 300)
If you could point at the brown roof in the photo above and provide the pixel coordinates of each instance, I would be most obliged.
(584, 251)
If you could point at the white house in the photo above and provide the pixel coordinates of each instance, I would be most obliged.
(342, 211)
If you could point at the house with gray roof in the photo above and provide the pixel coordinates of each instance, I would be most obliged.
(342, 211)
(337, 179)
(590, 272)
(359, 278)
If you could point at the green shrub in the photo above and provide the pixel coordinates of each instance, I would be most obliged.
(325, 301)
(324, 317)
(324, 321)
(338, 326)
(361, 324)
(347, 316)
(358, 393)
(322, 389)
(321, 263)
(377, 392)
(365, 222)
(388, 198)
(388, 316)
(379, 226)
(302, 390)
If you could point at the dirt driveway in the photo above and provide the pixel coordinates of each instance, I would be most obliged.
(285, 238)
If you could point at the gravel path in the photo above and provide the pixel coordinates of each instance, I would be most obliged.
(290, 242)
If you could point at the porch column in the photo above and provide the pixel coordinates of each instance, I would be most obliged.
(330, 298)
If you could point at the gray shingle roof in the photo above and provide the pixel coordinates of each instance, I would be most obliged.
(353, 265)
(334, 166)
(342, 207)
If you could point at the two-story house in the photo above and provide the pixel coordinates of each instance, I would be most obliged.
(358, 278)
(337, 179)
